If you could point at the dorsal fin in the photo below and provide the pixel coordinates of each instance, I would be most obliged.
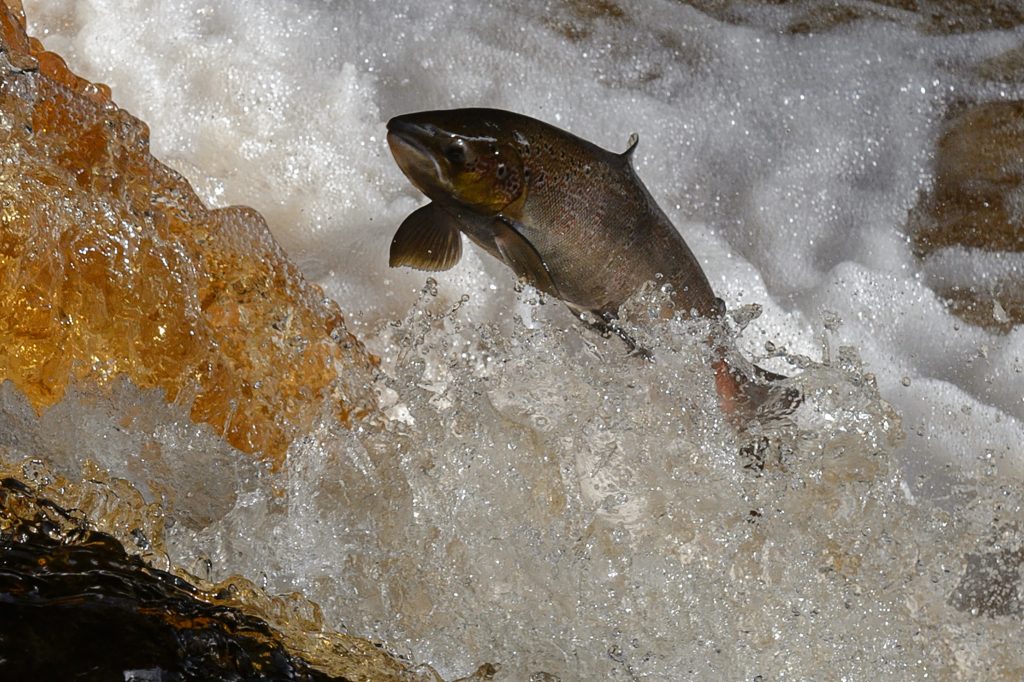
(634, 140)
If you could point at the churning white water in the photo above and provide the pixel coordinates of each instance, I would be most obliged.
(539, 500)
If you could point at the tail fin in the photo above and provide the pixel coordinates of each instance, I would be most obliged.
(745, 395)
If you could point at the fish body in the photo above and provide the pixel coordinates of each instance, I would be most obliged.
(571, 218)
(596, 233)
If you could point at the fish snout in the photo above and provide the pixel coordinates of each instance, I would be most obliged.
(411, 145)
(404, 125)
(401, 129)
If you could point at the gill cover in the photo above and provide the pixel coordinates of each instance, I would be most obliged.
(486, 175)
(455, 158)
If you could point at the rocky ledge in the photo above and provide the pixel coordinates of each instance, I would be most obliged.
(110, 265)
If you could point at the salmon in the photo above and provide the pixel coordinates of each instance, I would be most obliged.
(569, 217)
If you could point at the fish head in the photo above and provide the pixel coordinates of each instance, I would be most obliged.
(462, 156)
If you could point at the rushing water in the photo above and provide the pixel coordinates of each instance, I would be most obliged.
(538, 499)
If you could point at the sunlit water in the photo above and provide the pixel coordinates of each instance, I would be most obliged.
(538, 499)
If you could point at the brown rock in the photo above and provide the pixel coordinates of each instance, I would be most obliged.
(813, 16)
(978, 170)
(975, 203)
(110, 264)
(83, 599)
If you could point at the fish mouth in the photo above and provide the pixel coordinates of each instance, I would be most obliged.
(412, 145)
(401, 126)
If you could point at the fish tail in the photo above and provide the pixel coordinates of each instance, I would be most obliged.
(746, 395)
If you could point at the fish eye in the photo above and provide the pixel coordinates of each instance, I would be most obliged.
(455, 152)
(502, 171)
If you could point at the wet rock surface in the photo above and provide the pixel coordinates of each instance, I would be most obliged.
(808, 16)
(80, 606)
(114, 276)
(975, 205)
(80, 603)
(110, 265)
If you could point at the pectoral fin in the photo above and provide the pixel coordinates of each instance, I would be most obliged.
(429, 239)
(520, 255)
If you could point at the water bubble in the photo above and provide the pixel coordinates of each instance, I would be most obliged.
(831, 320)
(999, 313)
(744, 315)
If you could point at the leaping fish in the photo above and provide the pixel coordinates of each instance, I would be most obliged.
(572, 219)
